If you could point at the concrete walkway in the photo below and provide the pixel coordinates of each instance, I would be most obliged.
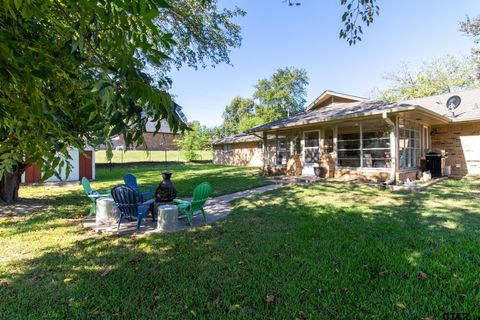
(215, 208)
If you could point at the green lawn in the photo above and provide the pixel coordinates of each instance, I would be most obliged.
(142, 156)
(224, 179)
(325, 251)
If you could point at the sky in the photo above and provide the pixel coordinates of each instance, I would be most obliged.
(276, 36)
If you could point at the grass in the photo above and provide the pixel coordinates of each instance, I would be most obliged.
(325, 251)
(143, 156)
(224, 179)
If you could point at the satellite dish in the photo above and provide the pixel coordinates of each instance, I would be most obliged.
(453, 102)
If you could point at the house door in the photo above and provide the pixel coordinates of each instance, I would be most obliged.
(311, 151)
(85, 165)
(32, 174)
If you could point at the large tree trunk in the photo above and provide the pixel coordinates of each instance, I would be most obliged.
(10, 183)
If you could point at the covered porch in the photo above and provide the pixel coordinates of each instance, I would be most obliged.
(380, 147)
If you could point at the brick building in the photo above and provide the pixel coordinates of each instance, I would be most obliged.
(164, 139)
(358, 138)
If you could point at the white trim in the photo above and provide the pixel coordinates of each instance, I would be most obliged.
(307, 166)
(304, 147)
(328, 93)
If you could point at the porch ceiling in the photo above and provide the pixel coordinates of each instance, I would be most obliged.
(426, 118)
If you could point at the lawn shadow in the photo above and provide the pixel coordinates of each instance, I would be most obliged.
(331, 250)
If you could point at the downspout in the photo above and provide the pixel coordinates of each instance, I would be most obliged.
(393, 143)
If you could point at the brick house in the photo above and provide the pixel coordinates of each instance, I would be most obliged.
(164, 139)
(241, 149)
(351, 137)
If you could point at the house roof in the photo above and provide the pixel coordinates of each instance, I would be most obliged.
(327, 94)
(164, 126)
(434, 106)
(469, 108)
(241, 137)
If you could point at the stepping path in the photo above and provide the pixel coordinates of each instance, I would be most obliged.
(215, 208)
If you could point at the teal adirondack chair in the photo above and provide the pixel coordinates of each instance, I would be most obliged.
(190, 208)
(93, 195)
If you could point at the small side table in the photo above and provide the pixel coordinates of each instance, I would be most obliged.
(167, 218)
(107, 211)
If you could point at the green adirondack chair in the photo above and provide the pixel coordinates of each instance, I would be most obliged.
(93, 195)
(190, 208)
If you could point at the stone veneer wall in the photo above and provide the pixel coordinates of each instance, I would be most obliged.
(402, 176)
(346, 174)
(462, 157)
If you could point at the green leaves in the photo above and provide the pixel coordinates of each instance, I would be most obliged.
(366, 10)
(76, 72)
(283, 94)
(434, 77)
(193, 141)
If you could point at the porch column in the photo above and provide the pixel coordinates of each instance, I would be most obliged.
(265, 151)
(322, 141)
(394, 147)
(335, 134)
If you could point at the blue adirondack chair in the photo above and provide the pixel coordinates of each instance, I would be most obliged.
(127, 202)
(131, 181)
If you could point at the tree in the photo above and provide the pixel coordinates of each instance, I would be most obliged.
(471, 27)
(283, 93)
(366, 10)
(237, 109)
(439, 76)
(249, 122)
(75, 71)
(194, 140)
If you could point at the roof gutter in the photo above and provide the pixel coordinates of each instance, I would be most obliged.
(432, 114)
(394, 109)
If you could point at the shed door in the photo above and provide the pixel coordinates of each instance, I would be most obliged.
(85, 165)
(32, 174)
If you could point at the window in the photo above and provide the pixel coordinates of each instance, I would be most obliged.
(375, 144)
(348, 145)
(227, 148)
(312, 147)
(364, 144)
(283, 151)
(409, 144)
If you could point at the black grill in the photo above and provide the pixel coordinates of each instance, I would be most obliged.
(436, 162)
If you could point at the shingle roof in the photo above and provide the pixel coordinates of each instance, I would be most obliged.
(468, 109)
(241, 137)
(330, 93)
(332, 112)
